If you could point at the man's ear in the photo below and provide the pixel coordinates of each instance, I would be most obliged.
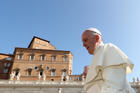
(97, 38)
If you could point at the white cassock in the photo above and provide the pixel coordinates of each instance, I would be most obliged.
(107, 72)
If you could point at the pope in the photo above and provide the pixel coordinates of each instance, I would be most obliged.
(109, 67)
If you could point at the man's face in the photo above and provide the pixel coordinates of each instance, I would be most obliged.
(89, 41)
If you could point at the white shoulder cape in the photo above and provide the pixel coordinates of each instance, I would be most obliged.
(107, 55)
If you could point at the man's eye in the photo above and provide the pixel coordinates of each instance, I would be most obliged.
(85, 40)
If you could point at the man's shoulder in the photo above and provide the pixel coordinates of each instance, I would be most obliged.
(110, 45)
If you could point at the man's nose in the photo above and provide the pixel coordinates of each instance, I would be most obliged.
(84, 44)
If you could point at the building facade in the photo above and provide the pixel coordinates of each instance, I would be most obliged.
(40, 61)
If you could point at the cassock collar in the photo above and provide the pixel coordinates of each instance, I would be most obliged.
(98, 47)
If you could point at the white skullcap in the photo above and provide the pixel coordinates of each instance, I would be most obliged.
(94, 30)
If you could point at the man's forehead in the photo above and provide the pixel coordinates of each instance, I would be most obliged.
(85, 35)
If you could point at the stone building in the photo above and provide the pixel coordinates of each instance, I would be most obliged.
(136, 84)
(40, 61)
(6, 61)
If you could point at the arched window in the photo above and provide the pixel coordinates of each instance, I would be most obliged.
(47, 68)
(29, 71)
(64, 72)
(17, 71)
(5, 70)
(41, 72)
(7, 64)
(53, 72)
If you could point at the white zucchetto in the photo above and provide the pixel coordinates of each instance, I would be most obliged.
(94, 30)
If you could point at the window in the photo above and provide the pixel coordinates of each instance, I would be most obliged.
(70, 72)
(53, 72)
(29, 71)
(52, 79)
(64, 58)
(44, 44)
(79, 79)
(7, 64)
(5, 70)
(71, 78)
(16, 72)
(36, 68)
(64, 79)
(53, 58)
(41, 73)
(42, 57)
(31, 57)
(64, 72)
(48, 68)
(37, 47)
(19, 56)
(9, 58)
(38, 42)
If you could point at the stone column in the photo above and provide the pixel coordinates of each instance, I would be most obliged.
(39, 76)
(62, 77)
(12, 75)
(59, 90)
(83, 78)
(18, 76)
(67, 77)
(44, 77)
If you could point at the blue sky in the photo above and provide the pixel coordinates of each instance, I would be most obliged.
(63, 21)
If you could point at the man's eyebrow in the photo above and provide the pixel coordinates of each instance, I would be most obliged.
(84, 39)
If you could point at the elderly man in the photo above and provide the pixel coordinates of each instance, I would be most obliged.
(107, 72)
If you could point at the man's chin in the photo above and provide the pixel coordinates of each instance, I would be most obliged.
(91, 53)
